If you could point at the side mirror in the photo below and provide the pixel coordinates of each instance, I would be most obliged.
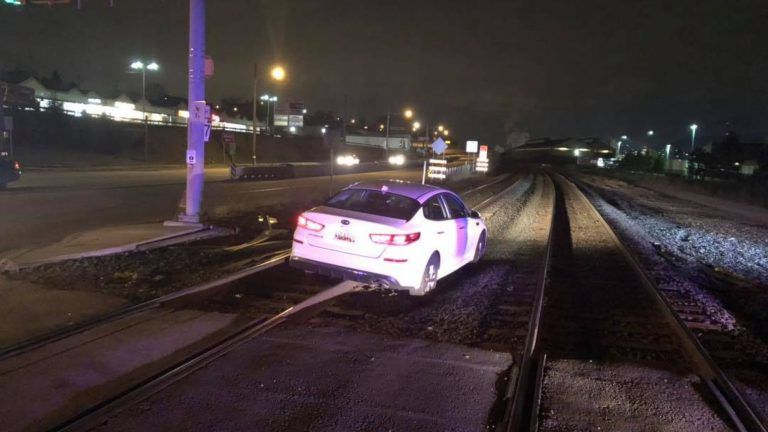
(474, 214)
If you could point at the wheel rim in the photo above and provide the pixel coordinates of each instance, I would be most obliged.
(480, 248)
(430, 277)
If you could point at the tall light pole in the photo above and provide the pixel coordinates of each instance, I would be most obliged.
(408, 113)
(693, 128)
(277, 73)
(195, 128)
(138, 65)
(269, 99)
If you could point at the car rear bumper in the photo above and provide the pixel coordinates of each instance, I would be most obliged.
(346, 273)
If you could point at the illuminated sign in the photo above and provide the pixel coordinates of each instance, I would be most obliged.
(471, 146)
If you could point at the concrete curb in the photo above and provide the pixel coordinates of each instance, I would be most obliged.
(196, 232)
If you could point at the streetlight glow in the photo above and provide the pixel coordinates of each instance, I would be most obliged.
(416, 125)
(408, 113)
(153, 66)
(440, 128)
(277, 73)
(650, 133)
(137, 65)
(445, 132)
(693, 136)
(624, 137)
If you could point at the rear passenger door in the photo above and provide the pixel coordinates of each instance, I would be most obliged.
(441, 233)
(459, 217)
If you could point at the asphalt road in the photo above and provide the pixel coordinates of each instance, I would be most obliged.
(46, 206)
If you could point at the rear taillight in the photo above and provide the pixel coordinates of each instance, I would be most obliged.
(16, 166)
(309, 224)
(395, 239)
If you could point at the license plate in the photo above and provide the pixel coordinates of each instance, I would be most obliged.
(344, 236)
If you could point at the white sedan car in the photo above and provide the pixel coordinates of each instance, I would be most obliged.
(391, 234)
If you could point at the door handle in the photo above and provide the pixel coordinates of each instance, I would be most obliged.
(441, 232)
(462, 227)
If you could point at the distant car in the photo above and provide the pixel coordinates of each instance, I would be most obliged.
(10, 171)
(391, 234)
(398, 159)
(347, 160)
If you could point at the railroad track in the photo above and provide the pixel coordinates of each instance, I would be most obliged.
(243, 269)
(594, 301)
(291, 296)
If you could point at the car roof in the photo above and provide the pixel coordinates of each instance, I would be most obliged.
(417, 191)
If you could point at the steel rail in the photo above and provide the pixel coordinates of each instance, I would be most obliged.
(97, 414)
(524, 390)
(276, 258)
(744, 417)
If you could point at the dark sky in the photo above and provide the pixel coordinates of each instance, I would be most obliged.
(558, 67)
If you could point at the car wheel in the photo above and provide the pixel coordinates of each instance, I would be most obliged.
(429, 278)
(480, 248)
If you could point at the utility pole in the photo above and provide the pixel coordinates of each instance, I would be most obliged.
(144, 111)
(195, 128)
(386, 141)
(255, 107)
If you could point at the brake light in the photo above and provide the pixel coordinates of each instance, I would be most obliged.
(395, 239)
(309, 224)
(16, 166)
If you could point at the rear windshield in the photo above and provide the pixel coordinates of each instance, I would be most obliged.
(375, 202)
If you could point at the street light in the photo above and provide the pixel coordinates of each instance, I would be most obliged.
(650, 133)
(269, 99)
(277, 73)
(693, 136)
(440, 128)
(624, 137)
(416, 126)
(407, 113)
(139, 65)
(445, 132)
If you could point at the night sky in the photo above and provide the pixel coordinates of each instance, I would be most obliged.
(552, 68)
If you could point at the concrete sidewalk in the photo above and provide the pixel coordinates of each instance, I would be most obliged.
(112, 240)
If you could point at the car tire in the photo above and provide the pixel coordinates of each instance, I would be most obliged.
(429, 277)
(480, 248)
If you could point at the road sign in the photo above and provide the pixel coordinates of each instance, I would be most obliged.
(207, 132)
(437, 169)
(471, 146)
(191, 157)
(483, 153)
(228, 138)
(199, 112)
(439, 146)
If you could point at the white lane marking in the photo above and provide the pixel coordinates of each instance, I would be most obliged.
(265, 190)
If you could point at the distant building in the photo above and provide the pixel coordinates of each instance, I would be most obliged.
(564, 150)
(80, 103)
